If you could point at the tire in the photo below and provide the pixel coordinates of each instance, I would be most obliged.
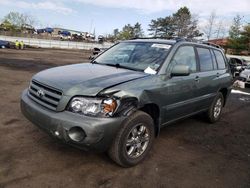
(128, 149)
(215, 110)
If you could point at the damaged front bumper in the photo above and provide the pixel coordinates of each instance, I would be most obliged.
(99, 132)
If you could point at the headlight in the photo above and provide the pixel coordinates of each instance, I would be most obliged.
(93, 107)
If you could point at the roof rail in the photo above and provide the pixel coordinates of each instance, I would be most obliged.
(212, 44)
(149, 38)
(198, 41)
(181, 39)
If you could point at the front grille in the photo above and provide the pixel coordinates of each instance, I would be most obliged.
(44, 95)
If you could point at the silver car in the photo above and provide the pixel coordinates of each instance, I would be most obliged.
(245, 74)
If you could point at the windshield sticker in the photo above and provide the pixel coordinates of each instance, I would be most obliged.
(149, 70)
(165, 46)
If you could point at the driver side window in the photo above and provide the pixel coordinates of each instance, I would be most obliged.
(185, 55)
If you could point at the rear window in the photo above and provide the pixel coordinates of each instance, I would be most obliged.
(220, 59)
(206, 62)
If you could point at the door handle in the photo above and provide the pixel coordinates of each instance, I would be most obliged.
(197, 79)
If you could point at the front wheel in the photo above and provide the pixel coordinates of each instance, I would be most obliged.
(214, 112)
(133, 140)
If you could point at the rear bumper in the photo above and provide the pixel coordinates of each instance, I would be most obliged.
(99, 131)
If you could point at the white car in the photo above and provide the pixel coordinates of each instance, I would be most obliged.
(245, 74)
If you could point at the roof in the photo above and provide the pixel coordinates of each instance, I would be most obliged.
(153, 41)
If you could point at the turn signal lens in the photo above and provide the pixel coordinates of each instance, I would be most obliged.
(109, 106)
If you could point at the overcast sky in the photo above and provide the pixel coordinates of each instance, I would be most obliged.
(106, 15)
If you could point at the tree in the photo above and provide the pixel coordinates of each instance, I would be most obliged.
(137, 31)
(208, 29)
(235, 38)
(245, 35)
(6, 26)
(234, 32)
(182, 21)
(128, 32)
(116, 33)
(162, 27)
(220, 30)
(18, 19)
(180, 24)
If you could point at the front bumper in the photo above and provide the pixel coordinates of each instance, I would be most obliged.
(100, 132)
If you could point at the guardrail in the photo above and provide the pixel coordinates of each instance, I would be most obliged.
(43, 43)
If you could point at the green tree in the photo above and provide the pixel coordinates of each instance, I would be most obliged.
(235, 37)
(129, 32)
(137, 31)
(116, 33)
(180, 24)
(7, 26)
(162, 27)
(234, 32)
(245, 36)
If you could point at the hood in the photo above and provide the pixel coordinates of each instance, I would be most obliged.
(85, 79)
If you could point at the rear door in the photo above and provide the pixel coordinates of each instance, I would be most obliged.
(207, 78)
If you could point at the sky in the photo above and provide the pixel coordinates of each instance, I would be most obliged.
(104, 16)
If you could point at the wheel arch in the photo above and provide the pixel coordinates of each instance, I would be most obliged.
(153, 111)
(225, 93)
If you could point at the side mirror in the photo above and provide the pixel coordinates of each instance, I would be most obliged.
(180, 70)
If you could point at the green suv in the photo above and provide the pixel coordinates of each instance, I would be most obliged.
(120, 100)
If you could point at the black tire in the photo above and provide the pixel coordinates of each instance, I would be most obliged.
(211, 113)
(118, 150)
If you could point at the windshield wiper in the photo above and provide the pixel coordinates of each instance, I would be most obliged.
(94, 62)
(117, 65)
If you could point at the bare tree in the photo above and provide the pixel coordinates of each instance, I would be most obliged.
(209, 27)
(18, 19)
(220, 30)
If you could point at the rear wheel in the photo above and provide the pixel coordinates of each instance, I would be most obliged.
(134, 140)
(214, 112)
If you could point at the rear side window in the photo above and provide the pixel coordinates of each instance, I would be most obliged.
(214, 60)
(206, 62)
(220, 59)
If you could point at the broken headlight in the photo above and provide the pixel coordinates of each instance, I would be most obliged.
(93, 107)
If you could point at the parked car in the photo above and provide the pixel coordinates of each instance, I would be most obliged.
(100, 38)
(245, 75)
(4, 44)
(120, 101)
(237, 64)
(77, 37)
(65, 35)
(39, 31)
(49, 30)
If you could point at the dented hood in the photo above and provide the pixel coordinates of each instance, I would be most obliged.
(85, 79)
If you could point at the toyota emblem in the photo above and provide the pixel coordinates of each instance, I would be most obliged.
(40, 93)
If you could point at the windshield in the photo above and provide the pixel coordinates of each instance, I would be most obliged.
(141, 56)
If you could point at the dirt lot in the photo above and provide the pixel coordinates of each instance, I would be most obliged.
(190, 153)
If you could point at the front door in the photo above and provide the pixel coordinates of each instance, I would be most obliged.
(181, 90)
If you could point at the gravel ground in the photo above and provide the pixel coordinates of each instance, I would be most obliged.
(190, 153)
